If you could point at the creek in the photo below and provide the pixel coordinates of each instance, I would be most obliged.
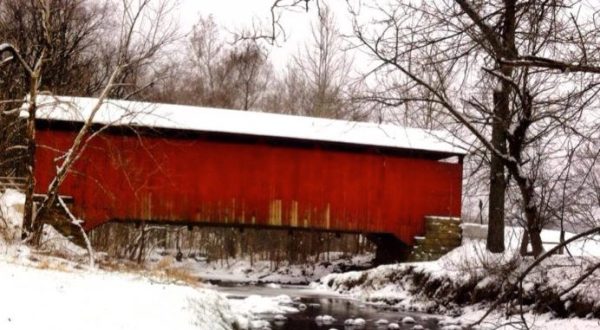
(314, 303)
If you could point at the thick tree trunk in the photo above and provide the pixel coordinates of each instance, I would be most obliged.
(534, 223)
(536, 241)
(495, 237)
(524, 242)
(534, 229)
(500, 124)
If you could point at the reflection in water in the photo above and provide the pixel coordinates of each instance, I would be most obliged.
(341, 309)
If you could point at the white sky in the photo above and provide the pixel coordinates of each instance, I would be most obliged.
(234, 15)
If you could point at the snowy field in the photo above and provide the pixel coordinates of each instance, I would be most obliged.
(41, 291)
(35, 298)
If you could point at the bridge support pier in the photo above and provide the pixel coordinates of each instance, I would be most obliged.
(389, 249)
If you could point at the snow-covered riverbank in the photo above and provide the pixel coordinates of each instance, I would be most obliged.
(463, 283)
(264, 271)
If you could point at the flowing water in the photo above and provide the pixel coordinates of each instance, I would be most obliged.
(319, 303)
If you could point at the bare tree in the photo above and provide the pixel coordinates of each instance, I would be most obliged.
(207, 49)
(219, 74)
(136, 50)
(289, 93)
(70, 63)
(252, 74)
(467, 64)
(145, 30)
(510, 73)
(34, 79)
(323, 68)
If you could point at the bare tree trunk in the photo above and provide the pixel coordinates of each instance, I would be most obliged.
(536, 240)
(28, 212)
(495, 235)
(497, 194)
(77, 222)
(533, 224)
(28, 229)
(71, 156)
(500, 123)
(524, 242)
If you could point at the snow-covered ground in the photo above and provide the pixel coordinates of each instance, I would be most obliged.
(41, 292)
(37, 298)
(42, 289)
(463, 282)
(11, 217)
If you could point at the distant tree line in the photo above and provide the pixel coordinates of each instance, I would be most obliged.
(217, 70)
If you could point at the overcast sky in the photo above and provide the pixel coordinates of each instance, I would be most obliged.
(235, 15)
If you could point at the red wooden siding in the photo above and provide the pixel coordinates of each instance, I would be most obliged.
(187, 180)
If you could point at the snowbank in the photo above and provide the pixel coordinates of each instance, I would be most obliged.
(45, 292)
(586, 247)
(50, 291)
(34, 298)
(11, 217)
(469, 275)
(498, 321)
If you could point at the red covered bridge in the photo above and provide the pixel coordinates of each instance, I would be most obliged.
(190, 165)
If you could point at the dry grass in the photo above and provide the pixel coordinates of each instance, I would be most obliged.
(166, 269)
(43, 264)
(163, 271)
(164, 263)
(48, 262)
(181, 275)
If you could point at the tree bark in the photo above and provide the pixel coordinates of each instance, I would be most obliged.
(495, 235)
(524, 242)
(534, 223)
(500, 124)
(28, 214)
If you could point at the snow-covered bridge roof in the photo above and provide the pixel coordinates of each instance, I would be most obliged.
(143, 114)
